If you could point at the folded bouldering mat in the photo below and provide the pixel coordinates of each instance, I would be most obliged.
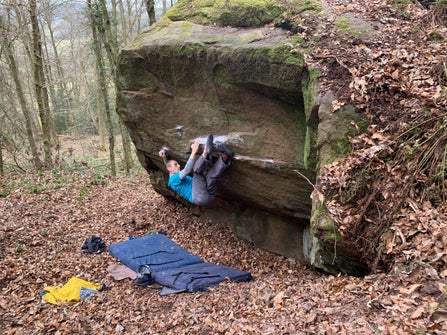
(198, 277)
(157, 252)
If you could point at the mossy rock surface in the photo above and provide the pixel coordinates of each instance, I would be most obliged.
(349, 24)
(233, 13)
(242, 85)
(239, 13)
(202, 70)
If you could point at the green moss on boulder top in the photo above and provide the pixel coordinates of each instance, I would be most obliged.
(233, 13)
(239, 13)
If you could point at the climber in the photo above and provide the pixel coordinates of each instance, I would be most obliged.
(201, 188)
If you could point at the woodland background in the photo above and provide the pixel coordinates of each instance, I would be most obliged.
(57, 78)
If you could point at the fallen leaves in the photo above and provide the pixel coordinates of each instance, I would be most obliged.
(380, 196)
(278, 299)
(284, 296)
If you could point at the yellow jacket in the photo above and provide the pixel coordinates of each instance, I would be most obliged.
(70, 292)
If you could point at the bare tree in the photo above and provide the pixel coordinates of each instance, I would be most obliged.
(110, 42)
(150, 8)
(128, 20)
(96, 25)
(60, 95)
(100, 113)
(2, 171)
(14, 71)
(11, 131)
(164, 7)
(40, 85)
(48, 75)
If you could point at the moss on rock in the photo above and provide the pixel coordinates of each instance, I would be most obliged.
(330, 252)
(239, 13)
(234, 13)
(252, 84)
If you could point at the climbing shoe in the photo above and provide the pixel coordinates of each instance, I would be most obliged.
(209, 147)
(224, 150)
(144, 277)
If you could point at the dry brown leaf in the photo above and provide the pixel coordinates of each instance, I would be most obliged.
(409, 290)
(278, 299)
(336, 105)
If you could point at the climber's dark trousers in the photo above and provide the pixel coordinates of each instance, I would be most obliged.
(204, 187)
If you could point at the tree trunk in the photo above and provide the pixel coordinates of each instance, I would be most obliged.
(114, 23)
(164, 8)
(111, 46)
(49, 80)
(102, 79)
(150, 8)
(47, 86)
(13, 69)
(128, 162)
(2, 171)
(124, 21)
(62, 99)
(100, 115)
(39, 85)
(107, 37)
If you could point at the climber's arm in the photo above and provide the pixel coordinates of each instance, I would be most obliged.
(191, 160)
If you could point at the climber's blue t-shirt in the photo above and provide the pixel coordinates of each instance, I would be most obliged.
(182, 187)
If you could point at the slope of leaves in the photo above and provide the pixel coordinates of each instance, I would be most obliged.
(45, 219)
(398, 78)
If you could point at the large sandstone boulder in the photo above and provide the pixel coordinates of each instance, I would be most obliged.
(183, 79)
(243, 87)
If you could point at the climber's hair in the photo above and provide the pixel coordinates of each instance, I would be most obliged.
(169, 163)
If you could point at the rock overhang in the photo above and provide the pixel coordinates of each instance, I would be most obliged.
(251, 89)
(241, 84)
(189, 76)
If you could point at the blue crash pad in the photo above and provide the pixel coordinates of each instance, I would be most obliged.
(198, 277)
(156, 251)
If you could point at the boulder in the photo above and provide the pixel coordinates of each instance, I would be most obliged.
(188, 76)
(324, 248)
(242, 86)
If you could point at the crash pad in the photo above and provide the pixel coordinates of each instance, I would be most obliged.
(198, 277)
(156, 251)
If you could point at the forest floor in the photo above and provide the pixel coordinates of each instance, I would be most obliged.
(46, 217)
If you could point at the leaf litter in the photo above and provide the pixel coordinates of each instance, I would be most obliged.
(42, 234)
